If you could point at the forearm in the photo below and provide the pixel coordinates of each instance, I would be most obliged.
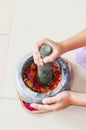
(77, 41)
(78, 98)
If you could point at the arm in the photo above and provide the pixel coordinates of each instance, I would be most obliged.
(65, 98)
(77, 41)
(60, 101)
(78, 99)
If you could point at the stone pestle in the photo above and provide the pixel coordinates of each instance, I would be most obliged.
(45, 72)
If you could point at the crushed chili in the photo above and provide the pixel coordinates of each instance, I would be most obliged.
(30, 78)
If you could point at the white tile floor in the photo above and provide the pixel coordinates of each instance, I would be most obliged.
(21, 26)
(6, 15)
(3, 56)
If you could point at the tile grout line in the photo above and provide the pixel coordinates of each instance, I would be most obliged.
(9, 98)
(4, 34)
(7, 35)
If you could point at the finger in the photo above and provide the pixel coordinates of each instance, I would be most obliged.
(40, 43)
(51, 57)
(43, 41)
(51, 100)
(36, 55)
(40, 107)
(36, 52)
(44, 108)
(37, 59)
(38, 62)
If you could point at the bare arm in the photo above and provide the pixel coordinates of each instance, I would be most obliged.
(60, 101)
(65, 98)
(78, 98)
(77, 41)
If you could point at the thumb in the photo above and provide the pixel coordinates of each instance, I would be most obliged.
(51, 100)
(51, 57)
(47, 59)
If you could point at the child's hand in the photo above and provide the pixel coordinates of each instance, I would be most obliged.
(57, 51)
(60, 101)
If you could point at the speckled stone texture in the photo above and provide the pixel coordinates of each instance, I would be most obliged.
(31, 96)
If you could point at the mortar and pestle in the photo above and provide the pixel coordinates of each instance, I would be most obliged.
(34, 83)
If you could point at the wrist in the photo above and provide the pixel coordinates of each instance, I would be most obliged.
(60, 47)
(77, 98)
(63, 46)
(73, 96)
(70, 100)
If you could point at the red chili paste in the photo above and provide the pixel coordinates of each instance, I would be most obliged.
(31, 79)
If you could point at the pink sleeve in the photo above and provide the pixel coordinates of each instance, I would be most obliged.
(81, 56)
